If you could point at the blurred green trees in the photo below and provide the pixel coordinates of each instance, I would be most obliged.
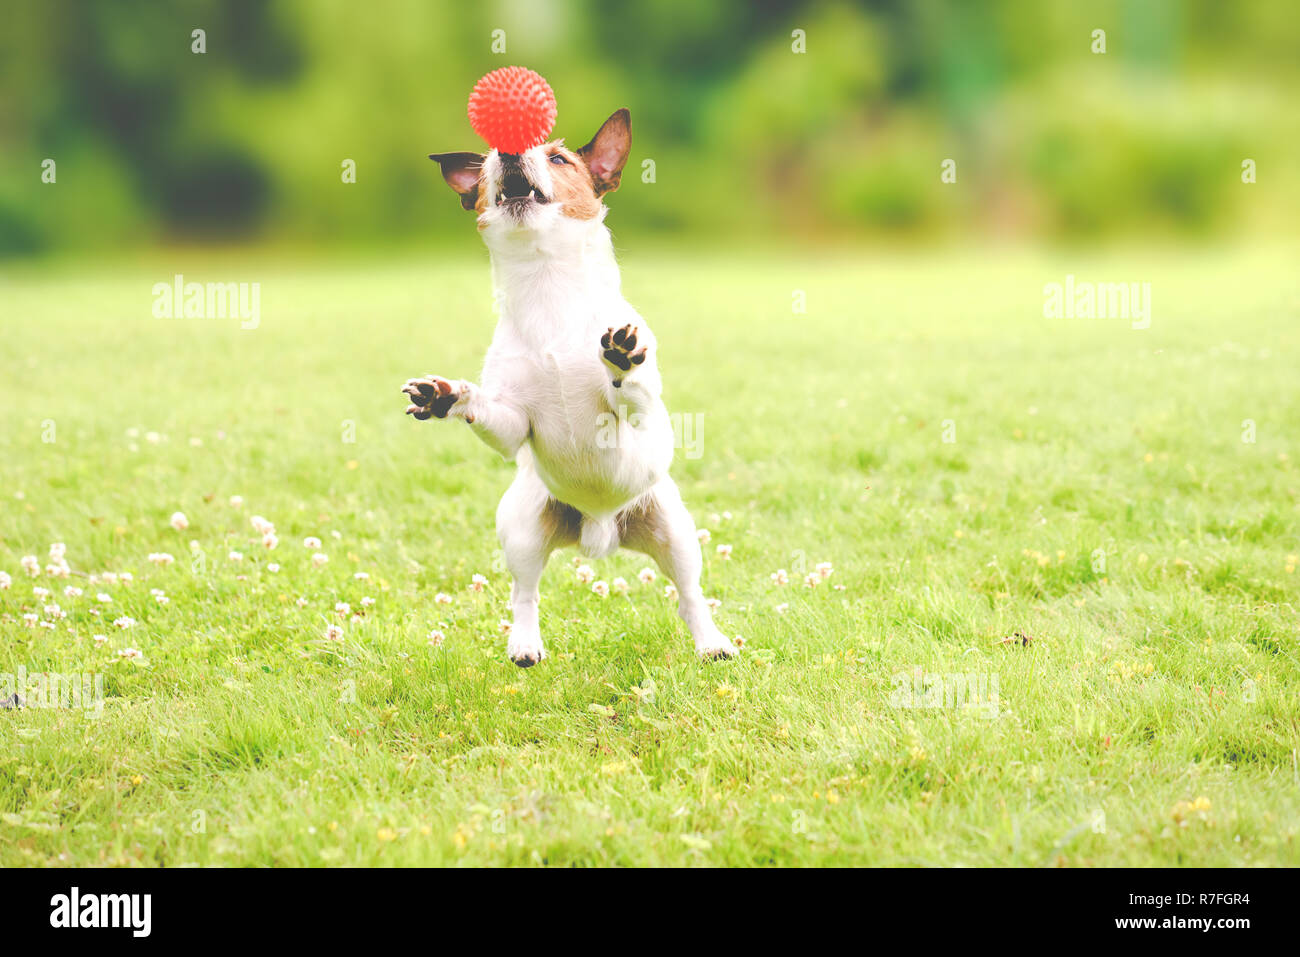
(744, 135)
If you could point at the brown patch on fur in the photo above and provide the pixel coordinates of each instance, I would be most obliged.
(574, 188)
(561, 524)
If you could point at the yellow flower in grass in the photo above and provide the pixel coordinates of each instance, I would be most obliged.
(1185, 811)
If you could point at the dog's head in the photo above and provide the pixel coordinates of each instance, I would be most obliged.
(542, 189)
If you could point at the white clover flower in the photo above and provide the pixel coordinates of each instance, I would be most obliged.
(713, 603)
(129, 653)
(39, 592)
(124, 622)
(442, 598)
(72, 591)
(477, 582)
(30, 619)
(302, 603)
(103, 598)
(31, 564)
(812, 580)
(236, 501)
(781, 577)
(645, 576)
(236, 556)
(670, 591)
(179, 521)
(824, 570)
(162, 559)
(342, 609)
(262, 526)
(505, 626)
(5, 581)
(780, 609)
(585, 574)
(621, 586)
(367, 602)
(601, 588)
(725, 552)
(99, 639)
(269, 540)
(320, 560)
(436, 638)
(334, 633)
(704, 535)
(362, 576)
(273, 567)
(311, 542)
(57, 551)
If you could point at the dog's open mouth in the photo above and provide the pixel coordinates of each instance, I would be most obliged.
(517, 191)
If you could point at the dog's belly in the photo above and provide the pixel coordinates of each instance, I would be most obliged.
(594, 458)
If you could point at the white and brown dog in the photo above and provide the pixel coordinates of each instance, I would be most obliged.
(570, 388)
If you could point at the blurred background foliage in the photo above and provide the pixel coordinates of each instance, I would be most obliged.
(157, 144)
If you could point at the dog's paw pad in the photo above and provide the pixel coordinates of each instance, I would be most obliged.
(431, 396)
(618, 347)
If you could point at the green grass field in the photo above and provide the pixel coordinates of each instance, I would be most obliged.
(1098, 495)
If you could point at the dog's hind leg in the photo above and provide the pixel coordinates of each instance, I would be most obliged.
(661, 526)
(530, 525)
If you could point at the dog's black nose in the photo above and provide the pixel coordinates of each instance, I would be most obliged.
(512, 158)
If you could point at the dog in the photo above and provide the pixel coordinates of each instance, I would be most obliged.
(570, 389)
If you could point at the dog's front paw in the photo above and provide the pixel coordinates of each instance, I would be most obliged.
(432, 396)
(618, 349)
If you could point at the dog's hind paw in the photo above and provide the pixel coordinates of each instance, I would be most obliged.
(717, 648)
(526, 654)
(432, 396)
(618, 349)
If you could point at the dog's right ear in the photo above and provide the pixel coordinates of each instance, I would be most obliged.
(461, 171)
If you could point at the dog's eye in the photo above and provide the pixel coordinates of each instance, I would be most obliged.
(559, 160)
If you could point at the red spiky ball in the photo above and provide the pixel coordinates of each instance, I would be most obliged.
(513, 109)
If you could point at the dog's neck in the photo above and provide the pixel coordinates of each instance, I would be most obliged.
(541, 280)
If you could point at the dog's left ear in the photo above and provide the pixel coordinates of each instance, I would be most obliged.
(607, 151)
(461, 171)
